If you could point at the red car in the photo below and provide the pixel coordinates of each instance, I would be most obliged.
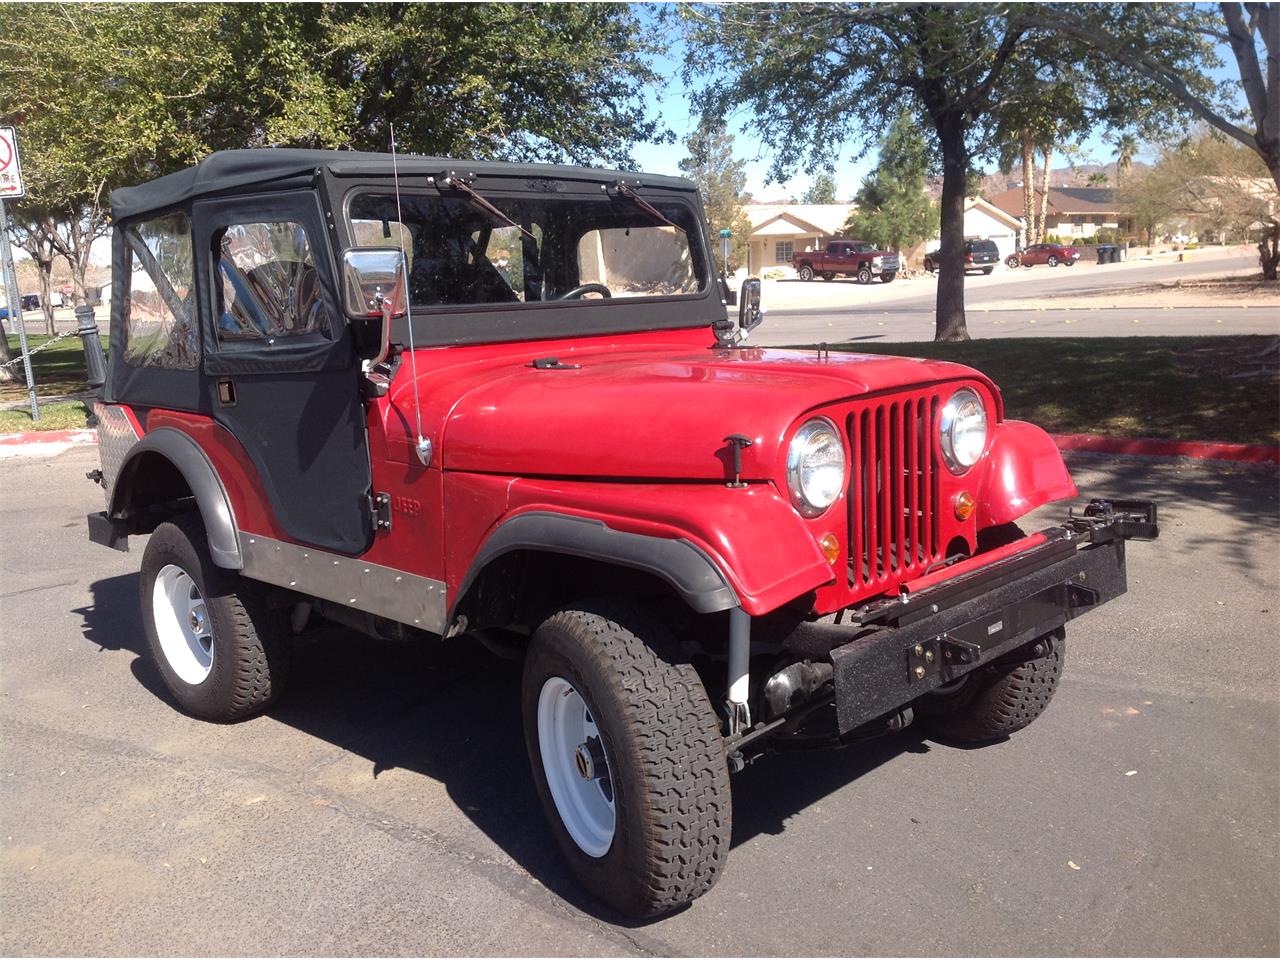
(504, 405)
(1050, 254)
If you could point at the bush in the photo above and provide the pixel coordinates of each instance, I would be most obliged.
(1079, 242)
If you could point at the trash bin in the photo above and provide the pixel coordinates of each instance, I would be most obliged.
(1123, 250)
(1103, 254)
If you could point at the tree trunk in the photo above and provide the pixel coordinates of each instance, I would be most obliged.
(1269, 252)
(955, 163)
(1044, 189)
(44, 273)
(7, 374)
(1030, 234)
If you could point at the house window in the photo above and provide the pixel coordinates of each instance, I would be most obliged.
(159, 314)
(783, 250)
(1077, 219)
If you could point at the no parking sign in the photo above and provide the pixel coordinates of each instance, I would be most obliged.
(11, 186)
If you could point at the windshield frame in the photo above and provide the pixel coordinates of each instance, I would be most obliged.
(445, 324)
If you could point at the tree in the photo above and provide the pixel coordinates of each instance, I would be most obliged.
(1126, 149)
(1098, 179)
(1207, 185)
(893, 210)
(822, 190)
(817, 77)
(1123, 34)
(721, 180)
(135, 91)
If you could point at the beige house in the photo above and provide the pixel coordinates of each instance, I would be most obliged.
(779, 230)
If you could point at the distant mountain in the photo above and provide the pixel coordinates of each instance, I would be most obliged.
(1066, 176)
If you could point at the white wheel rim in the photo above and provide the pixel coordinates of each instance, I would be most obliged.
(182, 624)
(577, 767)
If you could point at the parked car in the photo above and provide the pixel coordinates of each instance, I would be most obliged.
(978, 255)
(700, 551)
(1050, 254)
(855, 258)
(31, 301)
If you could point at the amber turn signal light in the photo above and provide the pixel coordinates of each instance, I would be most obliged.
(963, 504)
(830, 547)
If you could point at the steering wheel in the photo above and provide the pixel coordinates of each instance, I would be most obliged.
(578, 292)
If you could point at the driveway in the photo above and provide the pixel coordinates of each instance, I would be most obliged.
(385, 806)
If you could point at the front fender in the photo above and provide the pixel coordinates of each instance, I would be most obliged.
(758, 544)
(1024, 471)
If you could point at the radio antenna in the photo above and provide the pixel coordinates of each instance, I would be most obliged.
(423, 445)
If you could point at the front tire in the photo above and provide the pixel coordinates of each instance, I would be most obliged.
(995, 702)
(864, 274)
(928, 265)
(221, 650)
(805, 272)
(829, 276)
(641, 804)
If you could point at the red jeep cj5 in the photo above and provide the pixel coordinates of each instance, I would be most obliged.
(504, 403)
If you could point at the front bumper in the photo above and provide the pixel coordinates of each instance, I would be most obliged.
(899, 649)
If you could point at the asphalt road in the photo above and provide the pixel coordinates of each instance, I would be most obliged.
(385, 806)
(906, 312)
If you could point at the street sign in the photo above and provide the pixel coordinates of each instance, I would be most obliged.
(11, 186)
(724, 234)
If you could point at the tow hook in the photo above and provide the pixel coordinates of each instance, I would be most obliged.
(95, 476)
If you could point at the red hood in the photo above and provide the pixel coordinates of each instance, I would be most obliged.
(653, 414)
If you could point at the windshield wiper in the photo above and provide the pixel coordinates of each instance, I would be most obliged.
(464, 188)
(629, 194)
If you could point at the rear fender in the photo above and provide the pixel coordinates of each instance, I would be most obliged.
(1024, 471)
(202, 479)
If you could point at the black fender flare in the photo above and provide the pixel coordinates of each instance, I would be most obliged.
(681, 563)
(210, 495)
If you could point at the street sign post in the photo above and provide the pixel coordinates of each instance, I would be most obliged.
(12, 188)
(725, 236)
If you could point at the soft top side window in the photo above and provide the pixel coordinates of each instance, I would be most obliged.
(268, 286)
(159, 313)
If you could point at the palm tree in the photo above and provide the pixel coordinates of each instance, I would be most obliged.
(1126, 150)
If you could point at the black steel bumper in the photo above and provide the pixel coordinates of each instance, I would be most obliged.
(912, 644)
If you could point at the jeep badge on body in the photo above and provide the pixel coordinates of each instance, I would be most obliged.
(502, 402)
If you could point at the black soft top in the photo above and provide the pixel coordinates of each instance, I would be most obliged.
(228, 171)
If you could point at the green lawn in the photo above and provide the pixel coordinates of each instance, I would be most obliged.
(67, 415)
(58, 371)
(1183, 388)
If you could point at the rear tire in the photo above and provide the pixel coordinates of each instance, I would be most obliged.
(887, 277)
(986, 271)
(828, 276)
(221, 650)
(928, 265)
(995, 702)
(1052, 261)
(1012, 261)
(613, 674)
(805, 272)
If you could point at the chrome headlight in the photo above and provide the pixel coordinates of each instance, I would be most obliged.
(963, 426)
(815, 466)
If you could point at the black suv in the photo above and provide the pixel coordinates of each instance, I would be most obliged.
(978, 255)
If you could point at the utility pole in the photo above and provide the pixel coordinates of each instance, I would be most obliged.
(15, 308)
(11, 186)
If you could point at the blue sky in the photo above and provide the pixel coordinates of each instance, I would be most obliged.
(670, 101)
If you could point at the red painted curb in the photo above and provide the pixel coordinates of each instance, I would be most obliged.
(1196, 449)
(48, 436)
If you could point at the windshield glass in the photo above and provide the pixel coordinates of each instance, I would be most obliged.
(564, 248)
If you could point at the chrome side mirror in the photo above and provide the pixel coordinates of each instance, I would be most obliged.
(375, 291)
(750, 313)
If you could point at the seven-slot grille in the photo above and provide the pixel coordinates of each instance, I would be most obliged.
(893, 490)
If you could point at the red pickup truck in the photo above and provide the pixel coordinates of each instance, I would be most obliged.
(853, 258)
